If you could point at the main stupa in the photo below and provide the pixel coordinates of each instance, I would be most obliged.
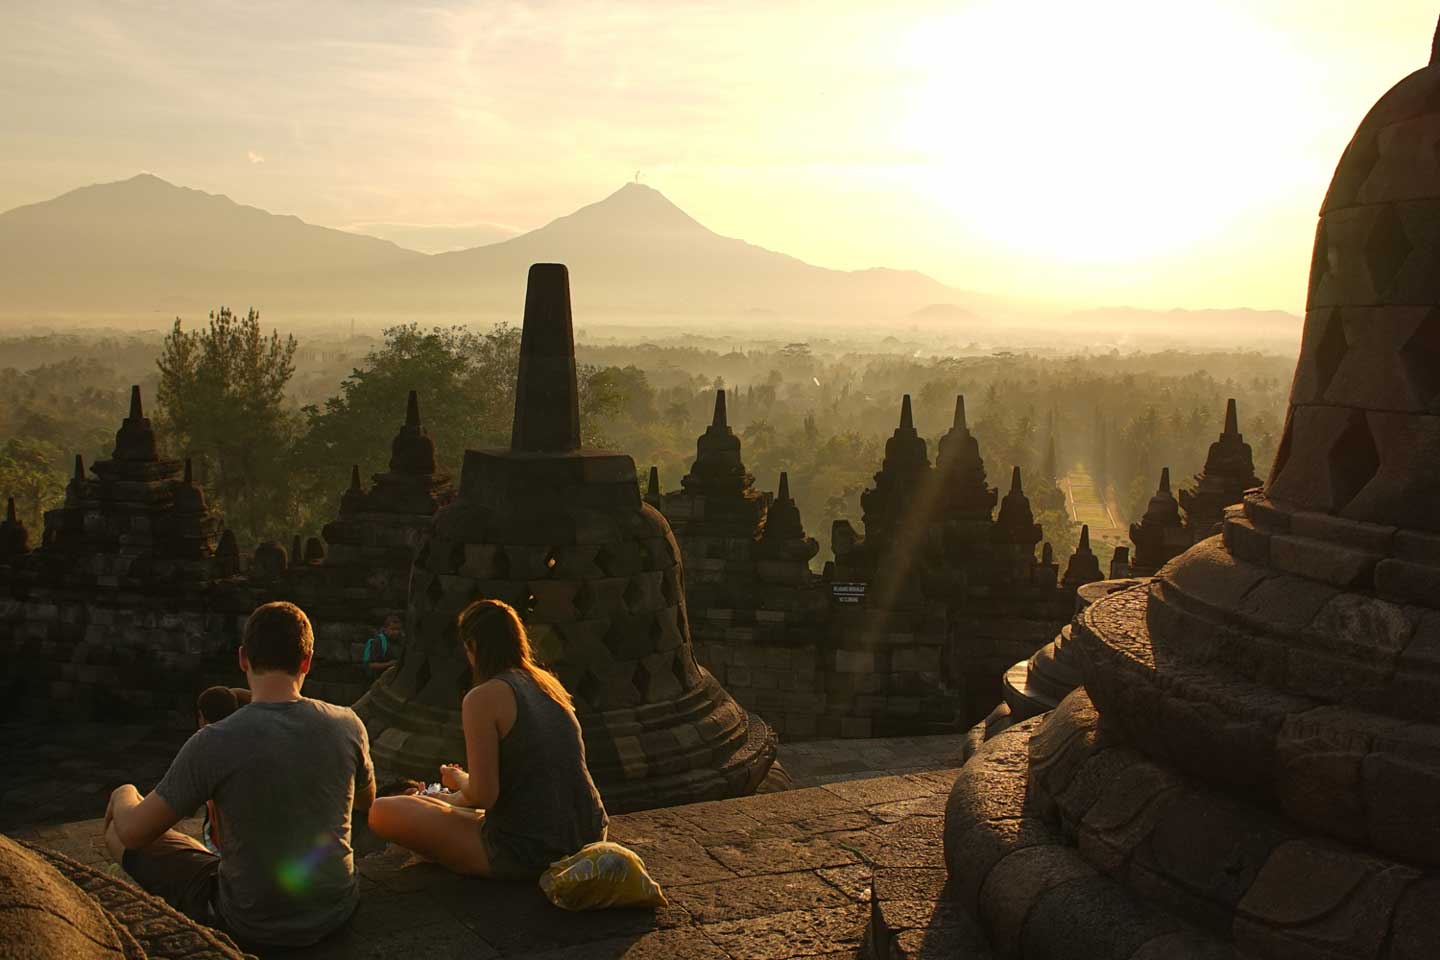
(561, 533)
(1252, 768)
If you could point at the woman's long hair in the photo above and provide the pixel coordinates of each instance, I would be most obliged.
(491, 630)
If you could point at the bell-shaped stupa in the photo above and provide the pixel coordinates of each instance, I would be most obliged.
(562, 534)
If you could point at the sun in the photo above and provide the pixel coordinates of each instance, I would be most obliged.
(1100, 133)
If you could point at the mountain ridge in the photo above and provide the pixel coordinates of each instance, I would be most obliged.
(145, 244)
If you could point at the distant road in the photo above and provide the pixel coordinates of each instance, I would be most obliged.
(1085, 504)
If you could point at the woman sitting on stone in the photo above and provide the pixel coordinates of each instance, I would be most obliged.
(527, 799)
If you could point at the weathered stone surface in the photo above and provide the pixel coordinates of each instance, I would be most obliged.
(1415, 929)
(44, 915)
(797, 933)
(743, 898)
(1314, 899)
(1017, 882)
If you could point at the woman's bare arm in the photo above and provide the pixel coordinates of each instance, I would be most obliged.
(480, 716)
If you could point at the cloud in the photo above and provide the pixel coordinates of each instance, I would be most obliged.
(255, 157)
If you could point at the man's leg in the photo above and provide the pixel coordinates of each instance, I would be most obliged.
(119, 801)
(176, 868)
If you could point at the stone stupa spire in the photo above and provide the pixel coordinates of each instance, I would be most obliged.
(547, 394)
(1229, 471)
(1160, 534)
(782, 533)
(1084, 566)
(718, 470)
(903, 476)
(135, 440)
(412, 451)
(1015, 522)
(960, 471)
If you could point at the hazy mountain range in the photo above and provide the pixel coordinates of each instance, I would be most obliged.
(144, 247)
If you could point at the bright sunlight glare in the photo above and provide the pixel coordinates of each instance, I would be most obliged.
(1103, 133)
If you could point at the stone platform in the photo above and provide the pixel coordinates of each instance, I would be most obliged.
(787, 875)
(780, 876)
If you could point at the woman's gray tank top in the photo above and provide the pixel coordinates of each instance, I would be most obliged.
(548, 806)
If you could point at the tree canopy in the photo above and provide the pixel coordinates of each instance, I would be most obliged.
(222, 396)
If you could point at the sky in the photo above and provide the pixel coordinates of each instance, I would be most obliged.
(1152, 153)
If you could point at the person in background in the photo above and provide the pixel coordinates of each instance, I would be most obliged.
(287, 775)
(383, 649)
(213, 705)
(527, 799)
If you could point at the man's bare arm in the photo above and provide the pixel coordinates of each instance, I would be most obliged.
(140, 822)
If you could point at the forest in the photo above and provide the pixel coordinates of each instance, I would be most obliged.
(274, 421)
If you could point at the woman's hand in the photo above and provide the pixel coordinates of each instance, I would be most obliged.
(453, 777)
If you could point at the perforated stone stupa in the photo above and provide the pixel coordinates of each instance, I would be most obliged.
(562, 533)
(1252, 766)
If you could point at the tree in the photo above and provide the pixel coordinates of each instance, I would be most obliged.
(222, 394)
(32, 471)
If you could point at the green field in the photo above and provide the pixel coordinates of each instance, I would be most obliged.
(1087, 506)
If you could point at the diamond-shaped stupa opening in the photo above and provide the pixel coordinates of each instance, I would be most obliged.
(1353, 460)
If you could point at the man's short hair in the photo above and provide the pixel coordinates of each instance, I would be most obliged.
(278, 637)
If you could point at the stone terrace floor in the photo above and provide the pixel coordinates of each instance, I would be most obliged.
(57, 772)
(847, 869)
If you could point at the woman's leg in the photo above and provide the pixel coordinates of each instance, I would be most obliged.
(437, 831)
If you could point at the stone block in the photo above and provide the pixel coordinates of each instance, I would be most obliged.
(1417, 547)
(1358, 623)
(916, 659)
(1415, 929)
(1011, 890)
(1319, 899)
(1407, 582)
(852, 728)
(800, 726)
(1337, 564)
(1266, 516)
(1399, 806)
(1366, 537)
(854, 661)
(1247, 541)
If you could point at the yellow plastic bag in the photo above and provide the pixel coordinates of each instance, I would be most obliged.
(601, 875)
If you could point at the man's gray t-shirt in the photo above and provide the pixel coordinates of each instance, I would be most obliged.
(283, 776)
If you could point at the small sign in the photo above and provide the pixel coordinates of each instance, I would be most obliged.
(848, 593)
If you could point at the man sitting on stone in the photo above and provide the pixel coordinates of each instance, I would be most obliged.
(285, 774)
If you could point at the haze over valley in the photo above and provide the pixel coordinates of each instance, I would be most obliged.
(142, 251)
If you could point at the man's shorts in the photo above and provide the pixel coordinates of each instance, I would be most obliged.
(179, 870)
